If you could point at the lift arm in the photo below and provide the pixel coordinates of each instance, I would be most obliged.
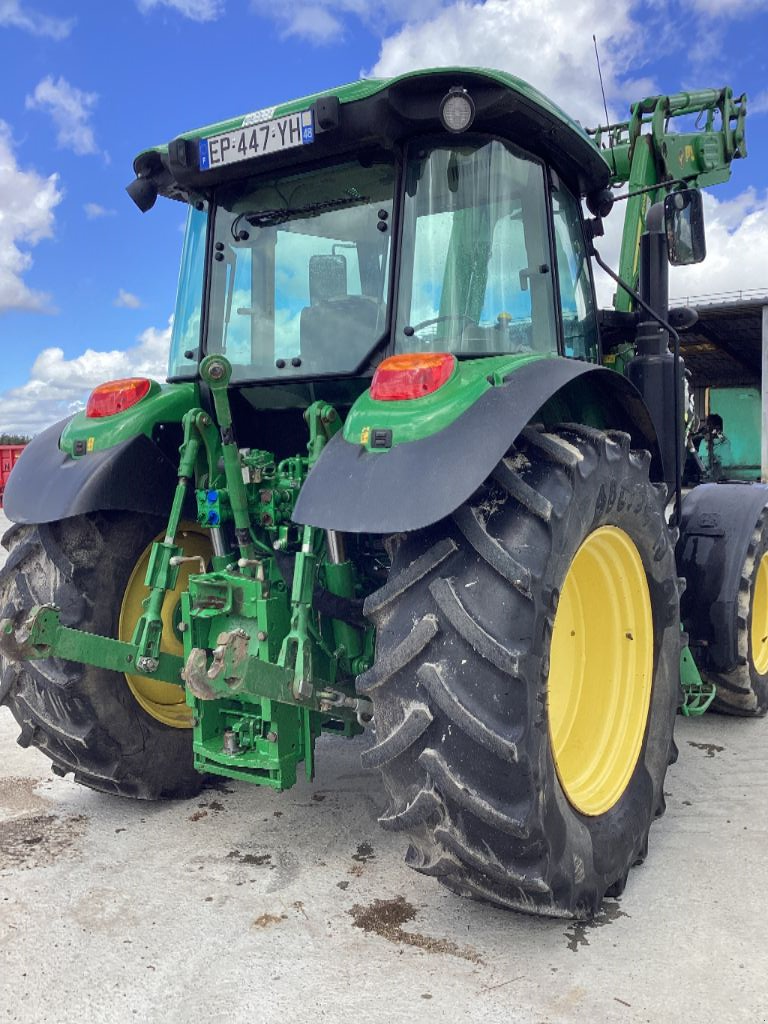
(649, 150)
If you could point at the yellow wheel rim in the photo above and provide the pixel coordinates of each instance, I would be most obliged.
(601, 671)
(760, 619)
(164, 701)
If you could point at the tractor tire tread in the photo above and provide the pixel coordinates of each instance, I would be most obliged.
(86, 720)
(742, 691)
(465, 785)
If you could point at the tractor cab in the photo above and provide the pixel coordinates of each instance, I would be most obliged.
(452, 225)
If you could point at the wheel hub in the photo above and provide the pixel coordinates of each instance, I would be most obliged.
(164, 701)
(759, 631)
(601, 671)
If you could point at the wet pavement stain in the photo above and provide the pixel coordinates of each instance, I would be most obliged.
(37, 839)
(212, 805)
(258, 859)
(711, 748)
(576, 933)
(364, 853)
(386, 918)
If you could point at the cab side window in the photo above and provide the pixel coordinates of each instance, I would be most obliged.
(575, 283)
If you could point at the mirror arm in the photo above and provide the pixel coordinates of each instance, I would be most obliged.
(650, 188)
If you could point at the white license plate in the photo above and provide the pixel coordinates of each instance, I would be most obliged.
(257, 140)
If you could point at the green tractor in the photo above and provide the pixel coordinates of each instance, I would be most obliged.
(404, 475)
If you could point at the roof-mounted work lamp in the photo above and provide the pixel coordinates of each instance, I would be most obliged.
(457, 111)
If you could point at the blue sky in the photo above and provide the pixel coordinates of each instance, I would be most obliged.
(87, 283)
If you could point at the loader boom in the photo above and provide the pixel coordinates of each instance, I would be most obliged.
(653, 149)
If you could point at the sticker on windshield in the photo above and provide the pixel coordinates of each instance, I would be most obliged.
(257, 140)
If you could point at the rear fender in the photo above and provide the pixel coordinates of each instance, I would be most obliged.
(414, 484)
(48, 484)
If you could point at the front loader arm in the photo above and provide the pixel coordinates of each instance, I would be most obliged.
(648, 150)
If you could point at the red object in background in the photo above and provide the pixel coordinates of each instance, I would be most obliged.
(9, 454)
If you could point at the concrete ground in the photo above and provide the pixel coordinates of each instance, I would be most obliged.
(247, 905)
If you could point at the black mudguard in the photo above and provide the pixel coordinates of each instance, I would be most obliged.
(715, 530)
(412, 485)
(47, 484)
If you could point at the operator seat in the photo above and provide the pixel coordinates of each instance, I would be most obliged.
(336, 334)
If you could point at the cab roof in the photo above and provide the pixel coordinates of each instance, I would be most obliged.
(384, 111)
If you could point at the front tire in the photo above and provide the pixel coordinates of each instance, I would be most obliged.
(477, 711)
(87, 720)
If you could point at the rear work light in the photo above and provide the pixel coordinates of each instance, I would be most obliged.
(116, 396)
(411, 376)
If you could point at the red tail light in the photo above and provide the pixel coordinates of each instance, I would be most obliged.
(116, 396)
(411, 376)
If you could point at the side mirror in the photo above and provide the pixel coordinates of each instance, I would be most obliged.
(327, 278)
(684, 227)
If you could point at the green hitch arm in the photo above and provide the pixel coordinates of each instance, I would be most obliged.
(297, 648)
(42, 636)
(296, 652)
(165, 557)
(216, 371)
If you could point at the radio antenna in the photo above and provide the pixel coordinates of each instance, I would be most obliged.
(602, 90)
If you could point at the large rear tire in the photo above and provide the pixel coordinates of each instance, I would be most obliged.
(87, 720)
(527, 677)
(743, 690)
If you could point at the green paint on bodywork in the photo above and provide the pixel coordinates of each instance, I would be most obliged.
(418, 418)
(164, 404)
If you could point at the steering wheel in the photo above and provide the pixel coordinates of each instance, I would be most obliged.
(442, 319)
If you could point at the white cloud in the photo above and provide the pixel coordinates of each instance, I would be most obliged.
(27, 202)
(759, 105)
(548, 44)
(58, 386)
(311, 22)
(196, 10)
(737, 250)
(71, 110)
(127, 300)
(13, 15)
(93, 211)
